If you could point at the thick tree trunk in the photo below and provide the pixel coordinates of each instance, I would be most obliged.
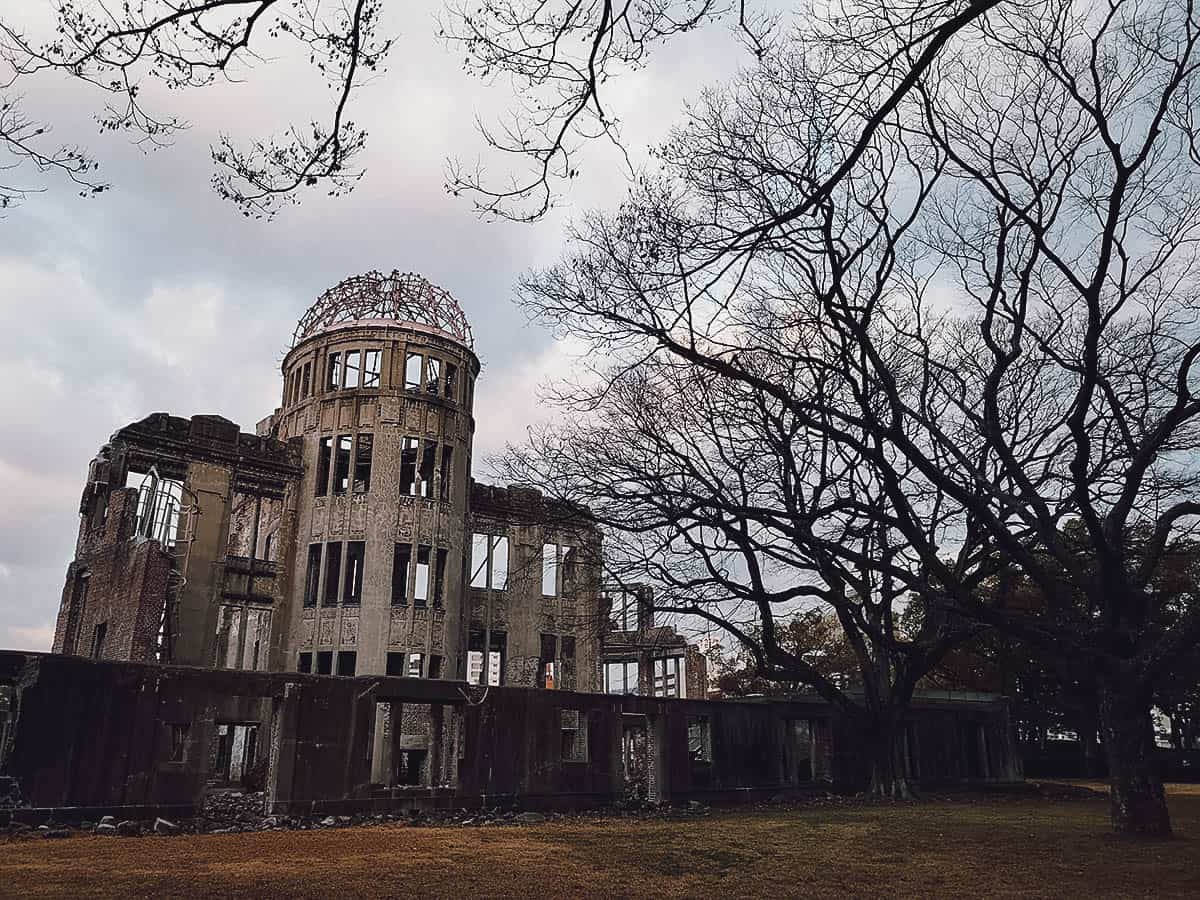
(1139, 806)
(890, 779)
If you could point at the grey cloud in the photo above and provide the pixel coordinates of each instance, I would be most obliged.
(159, 296)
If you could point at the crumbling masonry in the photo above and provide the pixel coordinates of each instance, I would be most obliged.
(333, 606)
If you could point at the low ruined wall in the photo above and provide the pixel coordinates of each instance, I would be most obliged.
(96, 735)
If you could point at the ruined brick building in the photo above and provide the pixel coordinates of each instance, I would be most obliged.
(335, 603)
(347, 536)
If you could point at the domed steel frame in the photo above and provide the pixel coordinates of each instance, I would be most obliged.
(402, 296)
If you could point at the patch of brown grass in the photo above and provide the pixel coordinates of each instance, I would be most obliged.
(1027, 847)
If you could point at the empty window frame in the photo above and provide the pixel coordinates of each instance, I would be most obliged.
(497, 654)
(304, 664)
(569, 557)
(451, 385)
(341, 464)
(364, 447)
(371, 368)
(98, 635)
(433, 381)
(489, 561)
(621, 677)
(425, 486)
(669, 677)
(179, 736)
(347, 662)
(547, 670)
(416, 662)
(439, 578)
(324, 662)
(408, 466)
(324, 457)
(395, 664)
(401, 557)
(333, 568)
(352, 589)
(351, 369)
(421, 585)
(549, 570)
(412, 371)
(312, 575)
(333, 372)
(479, 559)
(306, 379)
(443, 478)
(435, 665)
(699, 739)
(624, 610)
(475, 657)
(574, 735)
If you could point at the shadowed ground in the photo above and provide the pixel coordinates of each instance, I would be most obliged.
(1026, 847)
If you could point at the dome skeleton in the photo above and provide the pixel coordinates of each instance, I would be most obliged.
(401, 296)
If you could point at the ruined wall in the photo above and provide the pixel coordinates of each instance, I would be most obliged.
(115, 587)
(407, 413)
(155, 556)
(549, 609)
(106, 735)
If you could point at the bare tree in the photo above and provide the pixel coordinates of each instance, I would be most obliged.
(718, 496)
(121, 52)
(560, 55)
(1003, 291)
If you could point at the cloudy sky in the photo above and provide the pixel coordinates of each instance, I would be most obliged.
(158, 296)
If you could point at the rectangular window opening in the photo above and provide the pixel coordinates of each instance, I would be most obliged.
(306, 379)
(412, 371)
(324, 457)
(179, 736)
(333, 372)
(324, 662)
(408, 467)
(497, 652)
(621, 677)
(444, 472)
(347, 662)
(433, 383)
(371, 368)
(364, 448)
(333, 568)
(699, 739)
(479, 560)
(499, 578)
(351, 370)
(352, 589)
(312, 575)
(549, 570)
(395, 666)
(439, 578)
(305, 663)
(574, 735)
(451, 381)
(341, 466)
(401, 557)
(415, 664)
(425, 475)
(421, 588)
(98, 636)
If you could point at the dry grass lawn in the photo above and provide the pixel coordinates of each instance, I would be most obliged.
(1027, 847)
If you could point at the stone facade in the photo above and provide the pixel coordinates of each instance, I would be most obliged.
(346, 536)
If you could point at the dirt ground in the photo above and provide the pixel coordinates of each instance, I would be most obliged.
(994, 847)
